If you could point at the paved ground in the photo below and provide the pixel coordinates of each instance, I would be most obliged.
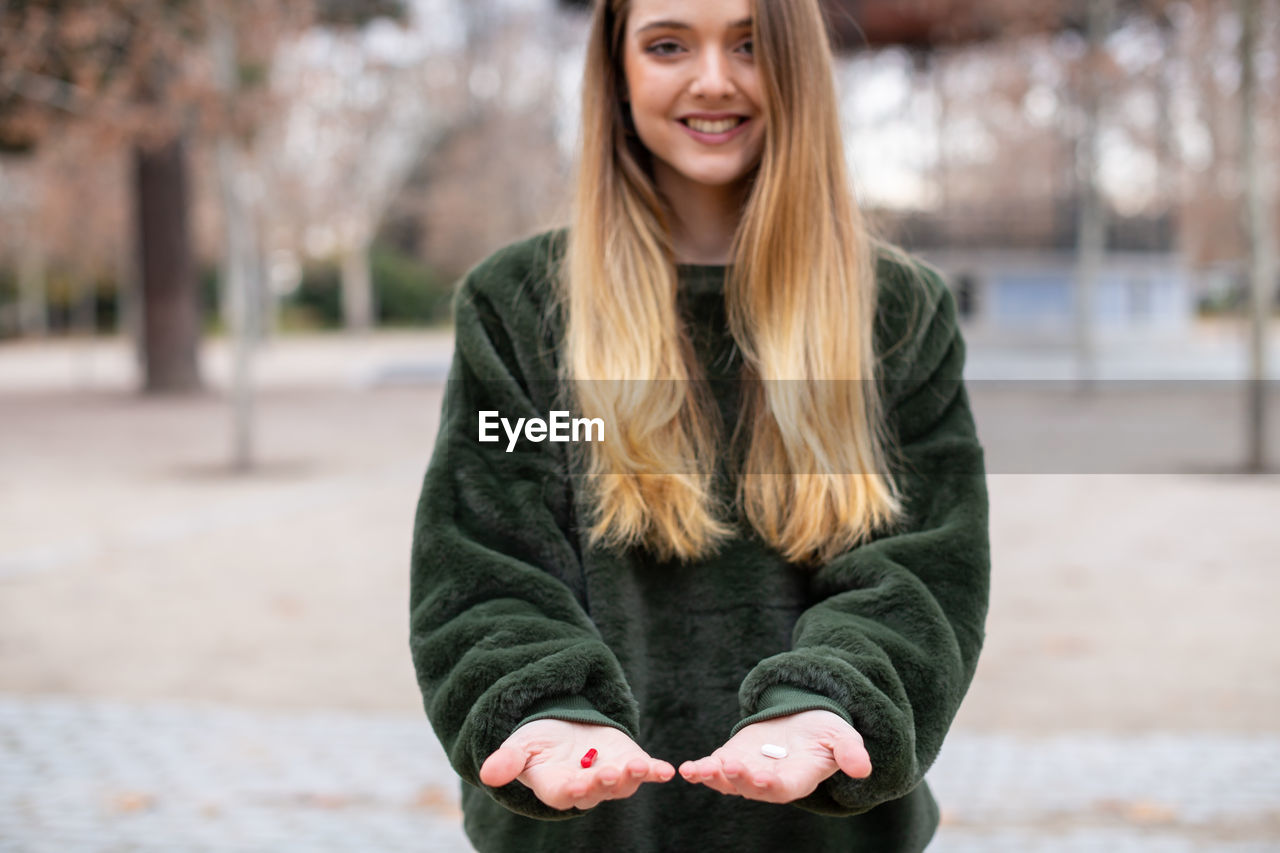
(93, 775)
(191, 659)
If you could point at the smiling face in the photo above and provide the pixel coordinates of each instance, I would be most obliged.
(694, 90)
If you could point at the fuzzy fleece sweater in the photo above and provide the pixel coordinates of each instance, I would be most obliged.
(515, 618)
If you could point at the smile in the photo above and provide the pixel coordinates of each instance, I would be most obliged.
(713, 130)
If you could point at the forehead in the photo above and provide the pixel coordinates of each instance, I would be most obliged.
(698, 14)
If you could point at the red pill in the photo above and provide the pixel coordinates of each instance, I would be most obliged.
(589, 758)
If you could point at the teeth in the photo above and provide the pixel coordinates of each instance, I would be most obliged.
(704, 126)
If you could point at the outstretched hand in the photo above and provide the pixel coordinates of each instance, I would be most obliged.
(818, 743)
(546, 756)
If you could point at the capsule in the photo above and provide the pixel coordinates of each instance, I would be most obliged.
(589, 758)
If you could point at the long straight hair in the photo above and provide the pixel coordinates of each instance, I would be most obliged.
(800, 298)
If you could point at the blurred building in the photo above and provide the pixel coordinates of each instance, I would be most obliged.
(1014, 270)
(1031, 293)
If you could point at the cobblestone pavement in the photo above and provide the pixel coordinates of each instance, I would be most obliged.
(89, 775)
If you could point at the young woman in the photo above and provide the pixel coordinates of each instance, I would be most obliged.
(766, 563)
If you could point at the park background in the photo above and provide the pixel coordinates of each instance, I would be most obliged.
(228, 237)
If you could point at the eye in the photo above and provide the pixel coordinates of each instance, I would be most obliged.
(748, 47)
(663, 48)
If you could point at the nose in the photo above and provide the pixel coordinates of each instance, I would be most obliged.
(712, 79)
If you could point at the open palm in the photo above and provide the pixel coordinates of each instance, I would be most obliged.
(546, 756)
(818, 743)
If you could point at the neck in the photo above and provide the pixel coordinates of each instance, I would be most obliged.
(705, 218)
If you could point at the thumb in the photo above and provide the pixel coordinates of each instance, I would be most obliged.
(503, 766)
(851, 756)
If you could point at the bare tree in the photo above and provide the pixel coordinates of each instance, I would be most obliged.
(1092, 228)
(1261, 238)
(119, 66)
(135, 69)
(356, 125)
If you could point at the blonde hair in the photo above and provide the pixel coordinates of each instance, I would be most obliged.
(814, 479)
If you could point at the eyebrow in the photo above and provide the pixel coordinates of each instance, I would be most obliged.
(681, 25)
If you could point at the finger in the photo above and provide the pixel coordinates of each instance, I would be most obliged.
(718, 782)
(851, 757)
(628, 786)
(707, 768)
(708, 771)
(588, 803)
(762, 785)
(604, 783)
(587, 791)
(741, 781)
(645, 769)
(503, 766)
(635, 773)
(573, 795)
(608, 783)
(608, 775)
(578, 788)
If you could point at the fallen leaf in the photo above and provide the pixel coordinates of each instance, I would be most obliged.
(130, 802)
(1139, 812)
(325, 801)
(438, 800)
(287, 606)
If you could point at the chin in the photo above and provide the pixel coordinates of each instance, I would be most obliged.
(715, 177)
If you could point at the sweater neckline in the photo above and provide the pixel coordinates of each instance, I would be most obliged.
(701, 278)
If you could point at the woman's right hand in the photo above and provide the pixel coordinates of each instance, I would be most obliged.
(546, 755)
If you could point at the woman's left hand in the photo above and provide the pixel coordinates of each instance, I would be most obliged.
(818, 743)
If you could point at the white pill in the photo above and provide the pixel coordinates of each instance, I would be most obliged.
(773, 751)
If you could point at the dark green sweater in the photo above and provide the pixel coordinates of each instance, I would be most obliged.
(514, 617)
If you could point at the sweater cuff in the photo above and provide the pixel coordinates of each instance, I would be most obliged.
(779, 700)
(573, 709)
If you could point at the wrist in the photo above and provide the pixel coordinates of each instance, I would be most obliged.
(782, 700)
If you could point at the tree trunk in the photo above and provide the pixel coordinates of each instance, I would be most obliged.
(357, 288)
(171, 314)
(240, 267)
(1261, 260)
(129, 306)
(1092, 228)
(33, 316)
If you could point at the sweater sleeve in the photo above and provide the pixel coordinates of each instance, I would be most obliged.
(892, 643)
(499, 634)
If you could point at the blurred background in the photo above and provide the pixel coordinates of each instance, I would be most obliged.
(229, 233)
